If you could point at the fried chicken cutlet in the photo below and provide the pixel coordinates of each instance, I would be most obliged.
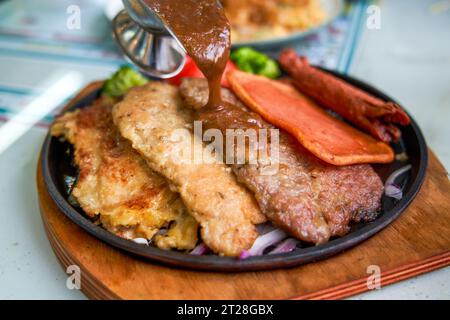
(117, 185)
(153, 119)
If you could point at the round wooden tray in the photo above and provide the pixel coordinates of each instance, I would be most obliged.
(417, 242)
(54, 162)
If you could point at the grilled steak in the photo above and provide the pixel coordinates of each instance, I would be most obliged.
(307, 197)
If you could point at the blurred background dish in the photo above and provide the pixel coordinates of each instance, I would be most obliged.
(272, 23)
(268, 23)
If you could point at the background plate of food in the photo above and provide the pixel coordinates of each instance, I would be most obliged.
(343, 177)
(268, 23)
(273, 23)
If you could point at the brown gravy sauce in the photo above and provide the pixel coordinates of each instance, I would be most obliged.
(203, 29)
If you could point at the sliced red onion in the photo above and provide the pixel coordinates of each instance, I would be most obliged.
(141, 241)
(200, 250)
(285, 246)
(390, 188)
(263, 242)
(393, 191)
(244, 255)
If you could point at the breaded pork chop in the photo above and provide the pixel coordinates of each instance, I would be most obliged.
(115, 183)
(153, 119)
(307, 197)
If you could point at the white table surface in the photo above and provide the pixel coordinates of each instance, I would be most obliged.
(408, 58)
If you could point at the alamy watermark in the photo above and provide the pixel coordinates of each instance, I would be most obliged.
(73, 281)
(73, 21)
(236, 147)
(374, 280)
(373, 21)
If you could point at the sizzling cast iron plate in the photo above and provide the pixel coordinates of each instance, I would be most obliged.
(55, 165)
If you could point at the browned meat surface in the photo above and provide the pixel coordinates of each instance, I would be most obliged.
(115, 183)
(307, 197)
(149, 116)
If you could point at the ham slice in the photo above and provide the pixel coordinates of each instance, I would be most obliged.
(327, 137)
(372, 115)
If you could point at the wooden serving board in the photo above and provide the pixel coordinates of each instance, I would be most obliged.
(417, 242)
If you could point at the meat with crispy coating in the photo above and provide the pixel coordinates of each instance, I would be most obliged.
(153, 119)
(115, 183)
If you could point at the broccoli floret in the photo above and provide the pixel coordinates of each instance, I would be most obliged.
(252, 61)
(122, 81)
(270, 69)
